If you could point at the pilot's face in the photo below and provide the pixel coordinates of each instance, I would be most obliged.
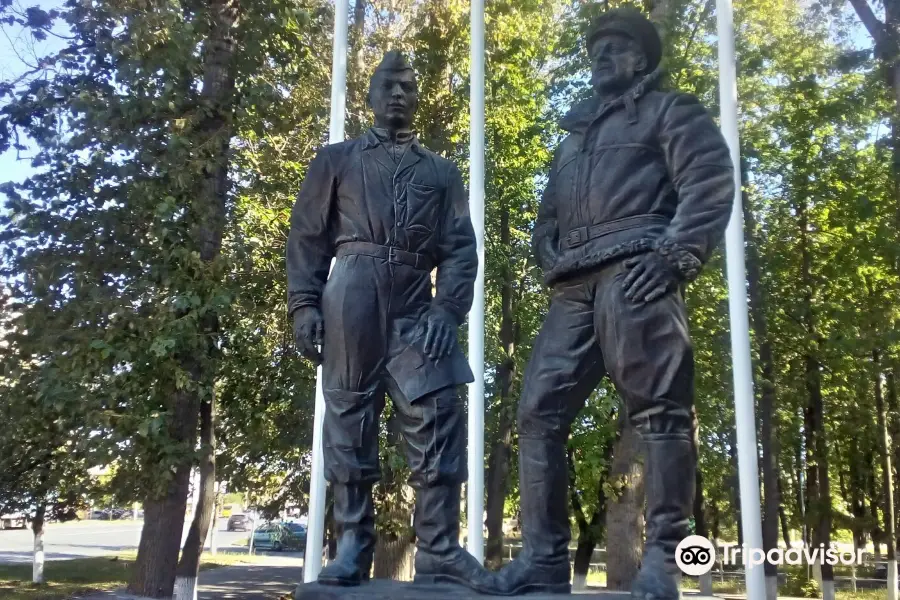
(394, 98)
(616, 59)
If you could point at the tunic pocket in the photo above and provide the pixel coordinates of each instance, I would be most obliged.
(422, 205)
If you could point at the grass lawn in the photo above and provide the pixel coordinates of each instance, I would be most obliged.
(67, 578)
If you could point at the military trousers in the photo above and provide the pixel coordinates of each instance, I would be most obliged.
(371, 311)
(592, 330)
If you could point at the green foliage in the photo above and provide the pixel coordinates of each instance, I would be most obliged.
(799, 586)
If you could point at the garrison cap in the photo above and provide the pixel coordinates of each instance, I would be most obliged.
(394, 60)
(631, 22)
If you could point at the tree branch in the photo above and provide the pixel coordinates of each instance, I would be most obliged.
(868, 18)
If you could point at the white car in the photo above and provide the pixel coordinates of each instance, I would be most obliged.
(13, 521)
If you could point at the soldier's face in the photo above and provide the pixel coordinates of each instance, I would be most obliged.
(394, 98)
(616, 59)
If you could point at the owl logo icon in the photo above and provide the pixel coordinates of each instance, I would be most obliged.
(695, 555)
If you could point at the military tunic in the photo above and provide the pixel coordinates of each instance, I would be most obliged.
(389, 211)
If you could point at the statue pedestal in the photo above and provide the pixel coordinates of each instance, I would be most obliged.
(386, 589)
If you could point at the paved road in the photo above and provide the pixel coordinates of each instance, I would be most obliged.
(275, 579)
(86, 538)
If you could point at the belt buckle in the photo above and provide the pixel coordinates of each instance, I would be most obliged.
(577, 237)
(392, 255)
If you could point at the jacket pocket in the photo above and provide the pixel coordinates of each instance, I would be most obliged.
(423, 207)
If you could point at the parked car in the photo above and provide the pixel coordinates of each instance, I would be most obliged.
(277, 537)
(13, 521)
(299, 531)
(238, 523)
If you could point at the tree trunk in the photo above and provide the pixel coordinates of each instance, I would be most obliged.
(37, 529)
(154, 570)
(822, 531)
(819, 489)
(586, 541)
(394, 559)
(590, 533)
(501, 449)
(394, 500)
(767, 397)
(189, 565)
(357, 84)
(809, 470)
(887, 483)
(854, 495)
(625, 515)
(873, 507)
(497, 478)
(785, 529)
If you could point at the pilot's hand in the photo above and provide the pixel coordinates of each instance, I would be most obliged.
(438, 330)
(650, 277)
(309, 329)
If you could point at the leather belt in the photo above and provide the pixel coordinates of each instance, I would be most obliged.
(392, 255)
(581, 235)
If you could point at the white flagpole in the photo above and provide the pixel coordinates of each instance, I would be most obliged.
(312, 558)
(475, 488)
(745, 420)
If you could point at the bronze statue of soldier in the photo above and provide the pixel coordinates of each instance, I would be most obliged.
(639, 195)
(388, 211)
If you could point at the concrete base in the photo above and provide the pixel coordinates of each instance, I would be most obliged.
(386, 589)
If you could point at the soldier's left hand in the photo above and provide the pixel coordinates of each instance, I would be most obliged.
(439, 331)
(650, 277)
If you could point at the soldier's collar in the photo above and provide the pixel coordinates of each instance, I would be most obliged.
(399, 137)
(583, 114)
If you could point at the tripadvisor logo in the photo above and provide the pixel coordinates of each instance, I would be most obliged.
(695, 555)
(733, 554)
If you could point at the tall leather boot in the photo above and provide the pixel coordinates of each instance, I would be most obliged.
(354, 515)
(669, 484)
(439, 557)
(543, 565)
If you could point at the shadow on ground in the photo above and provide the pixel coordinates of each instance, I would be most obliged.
(249, 582)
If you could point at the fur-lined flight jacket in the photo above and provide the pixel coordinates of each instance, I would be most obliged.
(649, 171)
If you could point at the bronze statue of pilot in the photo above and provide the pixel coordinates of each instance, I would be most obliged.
(639, 194)
(388, 211)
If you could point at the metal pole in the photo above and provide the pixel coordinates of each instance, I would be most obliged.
(315, 533)
(737, 308)
(475, 488)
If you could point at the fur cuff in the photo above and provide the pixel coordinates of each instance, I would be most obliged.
(589, 257)
(679, 257)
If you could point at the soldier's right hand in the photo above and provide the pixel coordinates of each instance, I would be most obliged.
(309, 329)
(548, 253)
